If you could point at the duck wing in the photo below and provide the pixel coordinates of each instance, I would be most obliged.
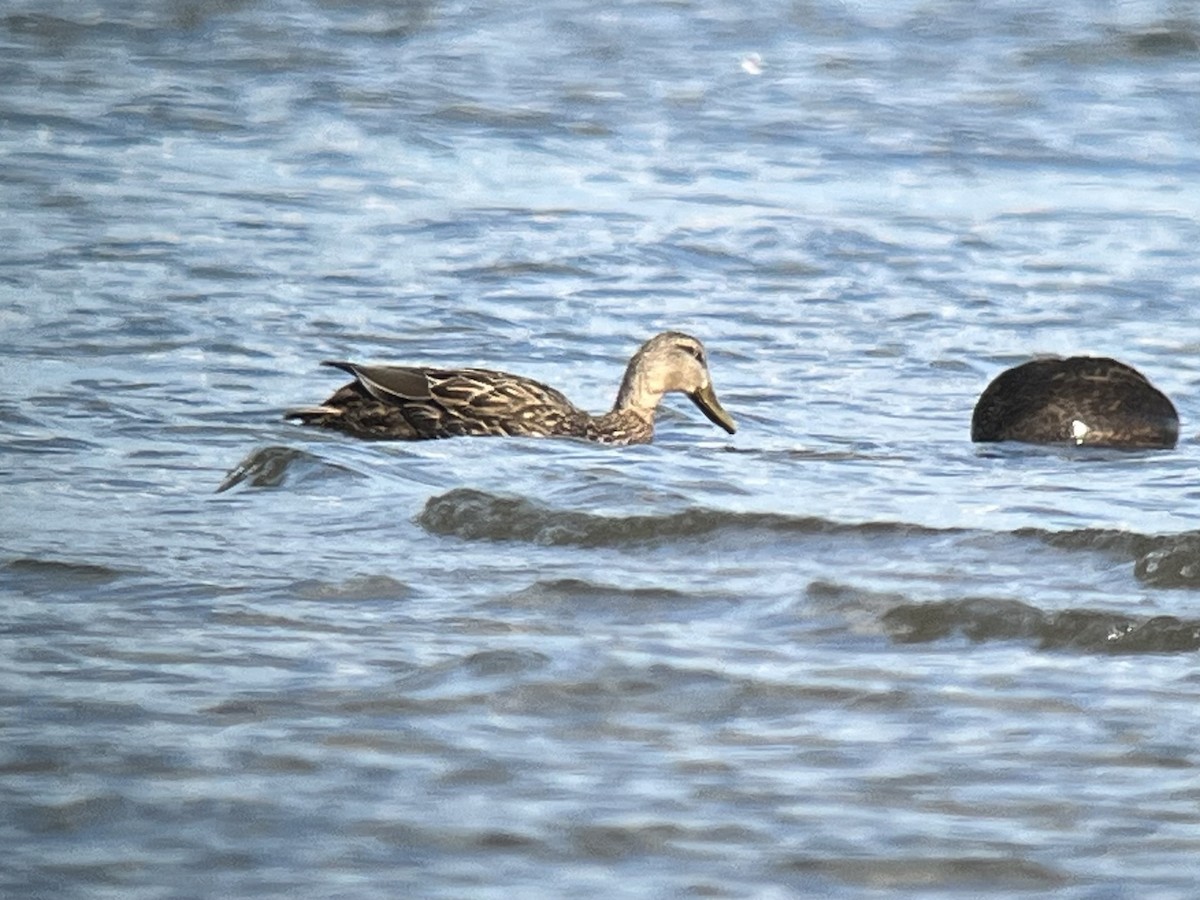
(457, 402)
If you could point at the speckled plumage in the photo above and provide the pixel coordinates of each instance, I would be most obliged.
(1084, 400)
(419, 403)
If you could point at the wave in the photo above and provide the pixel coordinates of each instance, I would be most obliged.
(27, 572)
(360, 587)
(1096, 631)
(477, 515)
(268, 467)
(565, 599)
(1166, 561)
(1170, 561)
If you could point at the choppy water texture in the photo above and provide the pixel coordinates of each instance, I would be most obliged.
(843, 652)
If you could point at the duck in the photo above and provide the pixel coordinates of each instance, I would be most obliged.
(413, 403)
(1081, 400)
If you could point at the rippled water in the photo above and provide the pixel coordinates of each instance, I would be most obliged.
(843, 652)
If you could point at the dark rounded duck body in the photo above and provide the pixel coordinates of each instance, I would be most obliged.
(1081, 400)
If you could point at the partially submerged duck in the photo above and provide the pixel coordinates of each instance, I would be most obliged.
(1085, 400)
(411, 403)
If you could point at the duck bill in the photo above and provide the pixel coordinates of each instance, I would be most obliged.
(706, 399)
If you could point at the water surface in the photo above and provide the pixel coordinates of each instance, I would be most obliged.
(842, 652)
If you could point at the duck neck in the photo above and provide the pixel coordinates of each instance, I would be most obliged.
(631, 419)
(635, 396)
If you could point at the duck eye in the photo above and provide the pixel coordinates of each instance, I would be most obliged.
(692, 350)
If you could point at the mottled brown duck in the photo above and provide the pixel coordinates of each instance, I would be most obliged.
(412, 403)
(1082, 400)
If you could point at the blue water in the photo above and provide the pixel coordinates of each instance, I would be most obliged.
(843, 652)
